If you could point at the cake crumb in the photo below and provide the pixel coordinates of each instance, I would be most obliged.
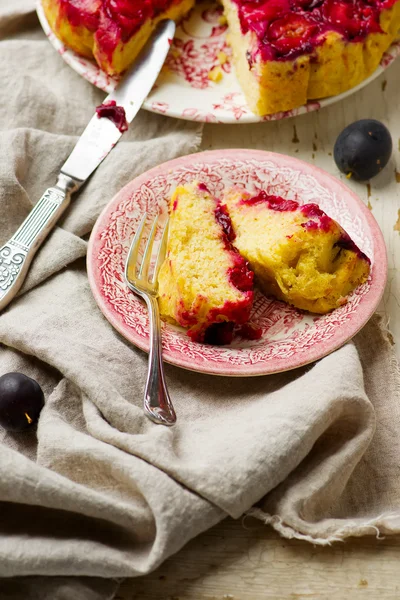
(397, 224)
(363, 583)
(384, 84)
(397, 175)
(295, 139)
(215, 74)
(369, 205)
(174, 52)
(222, 57)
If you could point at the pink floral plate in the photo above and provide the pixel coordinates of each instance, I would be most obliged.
(184, 89)
(290, 338)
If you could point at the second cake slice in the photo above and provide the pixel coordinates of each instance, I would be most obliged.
(298, 253)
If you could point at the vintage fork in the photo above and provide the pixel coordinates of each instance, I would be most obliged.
(157, 403)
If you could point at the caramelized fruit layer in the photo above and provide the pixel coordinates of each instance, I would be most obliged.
(128, 15)
(286, 29)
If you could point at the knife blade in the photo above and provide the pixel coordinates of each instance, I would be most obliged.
(101, 135)
(95, 143)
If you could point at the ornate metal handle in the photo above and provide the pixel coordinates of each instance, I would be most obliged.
(157, 403)
(16, 254)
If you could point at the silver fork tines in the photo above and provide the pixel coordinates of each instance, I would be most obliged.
(157, 403)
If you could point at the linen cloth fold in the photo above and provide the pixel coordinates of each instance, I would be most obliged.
(98, 492)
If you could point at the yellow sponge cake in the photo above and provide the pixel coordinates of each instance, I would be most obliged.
(204, 284)
(298, 253)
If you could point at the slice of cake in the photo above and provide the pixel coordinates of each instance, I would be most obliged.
(298, 253)
(111, 31)
(204, 284)
(288, 51)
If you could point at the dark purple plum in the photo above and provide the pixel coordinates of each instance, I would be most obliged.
(21, 400)
(363, 149)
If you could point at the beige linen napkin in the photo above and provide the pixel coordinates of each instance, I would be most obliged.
(100, 492)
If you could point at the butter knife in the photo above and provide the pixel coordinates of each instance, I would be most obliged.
(98, 139)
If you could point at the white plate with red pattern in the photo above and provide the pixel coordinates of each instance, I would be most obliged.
(184, 89)
(290, 338)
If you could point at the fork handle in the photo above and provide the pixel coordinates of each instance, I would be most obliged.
(16, 254)
(157, 403)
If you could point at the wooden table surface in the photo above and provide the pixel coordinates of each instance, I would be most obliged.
(248, 561)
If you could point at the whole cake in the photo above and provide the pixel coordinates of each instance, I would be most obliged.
(298, 253)
(204, 284)
(285, 51)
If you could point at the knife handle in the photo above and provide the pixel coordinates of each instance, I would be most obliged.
(17, 254)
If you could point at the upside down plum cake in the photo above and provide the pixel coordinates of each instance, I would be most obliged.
(285, 51)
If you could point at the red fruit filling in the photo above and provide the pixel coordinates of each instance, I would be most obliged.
(310, 225)
(311, 210)
(273, 202)
(256, 16)
(84, 13)
(231, 312)
(223, 218)
(241, 277)
(131, 14)
(287, 28)
(219, 334)
(346, 243)
(324, 223)
(222, 334)
(249, 332)
(116, 114)
(354, 19)
(290, 34)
